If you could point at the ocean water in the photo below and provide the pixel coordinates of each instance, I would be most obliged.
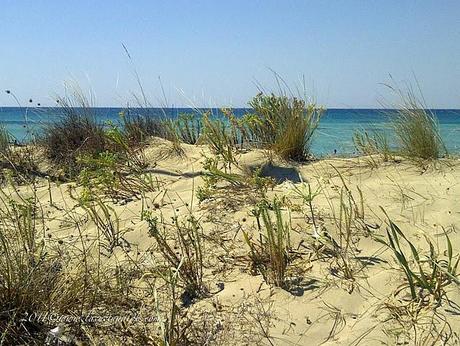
(335, 132)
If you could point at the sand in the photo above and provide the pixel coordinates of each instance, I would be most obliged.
(319, 305)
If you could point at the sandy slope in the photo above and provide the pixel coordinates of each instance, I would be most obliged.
(319, 307)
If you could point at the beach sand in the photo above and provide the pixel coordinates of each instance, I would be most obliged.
(319, 305)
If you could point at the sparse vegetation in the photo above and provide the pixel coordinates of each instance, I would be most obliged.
(118, 238)
(426, 277)
(270, 252)
(187, 236)
(373, 144)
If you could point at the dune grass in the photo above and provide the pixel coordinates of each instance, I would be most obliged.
(188, 237)
(187, 128)
(102, 271)
(138, 127)
(269, 253)
(425, 276)
(284, 125)
(416, 127)
(75, 133)
(5, 141)
(371, 144)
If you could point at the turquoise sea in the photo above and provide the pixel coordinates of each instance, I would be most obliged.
(335, 132)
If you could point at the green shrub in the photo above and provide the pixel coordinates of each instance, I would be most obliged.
(282, 124)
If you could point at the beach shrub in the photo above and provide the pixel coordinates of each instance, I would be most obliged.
(282, 124)
(75, 133)
(217, 180)
(109, 175)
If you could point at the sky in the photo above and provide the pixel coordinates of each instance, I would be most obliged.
(219, 53)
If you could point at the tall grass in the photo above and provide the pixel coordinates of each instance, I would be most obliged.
(19, 162)
(220, 140)
(187, 128)
(284, 125)
(416, 127)
(5, 142)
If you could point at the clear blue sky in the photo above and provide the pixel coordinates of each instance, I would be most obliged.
(211, 53)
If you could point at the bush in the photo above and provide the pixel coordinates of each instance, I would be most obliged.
(75, 133)
(282, 124)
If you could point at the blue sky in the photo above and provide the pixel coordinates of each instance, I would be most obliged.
(213, 53)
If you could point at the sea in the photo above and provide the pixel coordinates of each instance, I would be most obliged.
(334, 135)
